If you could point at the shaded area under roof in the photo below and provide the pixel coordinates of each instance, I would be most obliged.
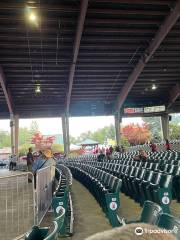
(114, 38)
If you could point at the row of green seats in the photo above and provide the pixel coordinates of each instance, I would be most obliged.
(61, 198)
(48, 233)
(103, 186)
(143, 184)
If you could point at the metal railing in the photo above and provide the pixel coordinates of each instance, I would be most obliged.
(17, 205)
(44, 184)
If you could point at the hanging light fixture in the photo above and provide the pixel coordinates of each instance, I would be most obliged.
(154, 87)
(38, 89)
(31, 15)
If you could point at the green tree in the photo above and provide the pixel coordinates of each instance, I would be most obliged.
(175, 119)
(5, 139)
(124, 141)
(73, 140)
(24, 136)
(100, 135)
(23, 149)
(57, 148)
(154, 127)
(34, 128)
(174, 131)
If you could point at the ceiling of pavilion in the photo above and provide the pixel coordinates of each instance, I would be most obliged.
(115, 35)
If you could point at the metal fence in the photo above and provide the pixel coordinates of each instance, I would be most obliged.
(44, 184)
(17, 205)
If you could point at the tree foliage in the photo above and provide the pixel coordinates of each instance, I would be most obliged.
(154, 127)
(5, 139)
(34, 128)
(175, 119)
(174, 131)
(57, 148)
(101, 135)
(24, 136)
(136, 134)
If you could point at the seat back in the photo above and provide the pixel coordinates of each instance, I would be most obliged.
(169, 222)
(117, 185)
(176, 170)
(53, 235)
(141, 173)
(148, 175)
(36, 233)
(60, 218)
(165, 181)
(156, 177)
(150, 213)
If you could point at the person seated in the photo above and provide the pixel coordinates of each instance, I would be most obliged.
(134, 231)
(123, 150)
(142, 156)
(101, 156)
(117, 148)
(111, 149)
(153, 147)
(167, 145)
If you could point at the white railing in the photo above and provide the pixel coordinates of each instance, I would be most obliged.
(44, 183)
(17, 205)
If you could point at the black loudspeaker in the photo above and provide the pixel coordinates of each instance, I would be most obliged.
(170, 117)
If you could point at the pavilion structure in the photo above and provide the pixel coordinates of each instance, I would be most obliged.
(89, 58)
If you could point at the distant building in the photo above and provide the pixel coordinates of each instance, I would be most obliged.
(58, 138)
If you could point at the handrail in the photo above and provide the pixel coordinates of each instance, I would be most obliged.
(53, 232)
(16, 175)
(72, 214)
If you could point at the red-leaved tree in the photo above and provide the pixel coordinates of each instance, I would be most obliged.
(136, 134)
(41, 141)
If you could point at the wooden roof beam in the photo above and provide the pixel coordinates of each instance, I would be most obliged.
(155, 43)
(79, 31)
(6, 91)
(173, 95)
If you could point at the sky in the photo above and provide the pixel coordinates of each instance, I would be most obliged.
(77, 125)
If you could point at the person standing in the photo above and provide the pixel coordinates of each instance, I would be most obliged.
(44, 160)
(13, 162)
(167, 145)
(29, 160)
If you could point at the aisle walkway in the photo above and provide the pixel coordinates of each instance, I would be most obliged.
(88, 216)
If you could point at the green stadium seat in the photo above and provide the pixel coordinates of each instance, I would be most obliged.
(54, 234)
(169, 222)
(150, 213)
(60, 218)
(38, 233)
